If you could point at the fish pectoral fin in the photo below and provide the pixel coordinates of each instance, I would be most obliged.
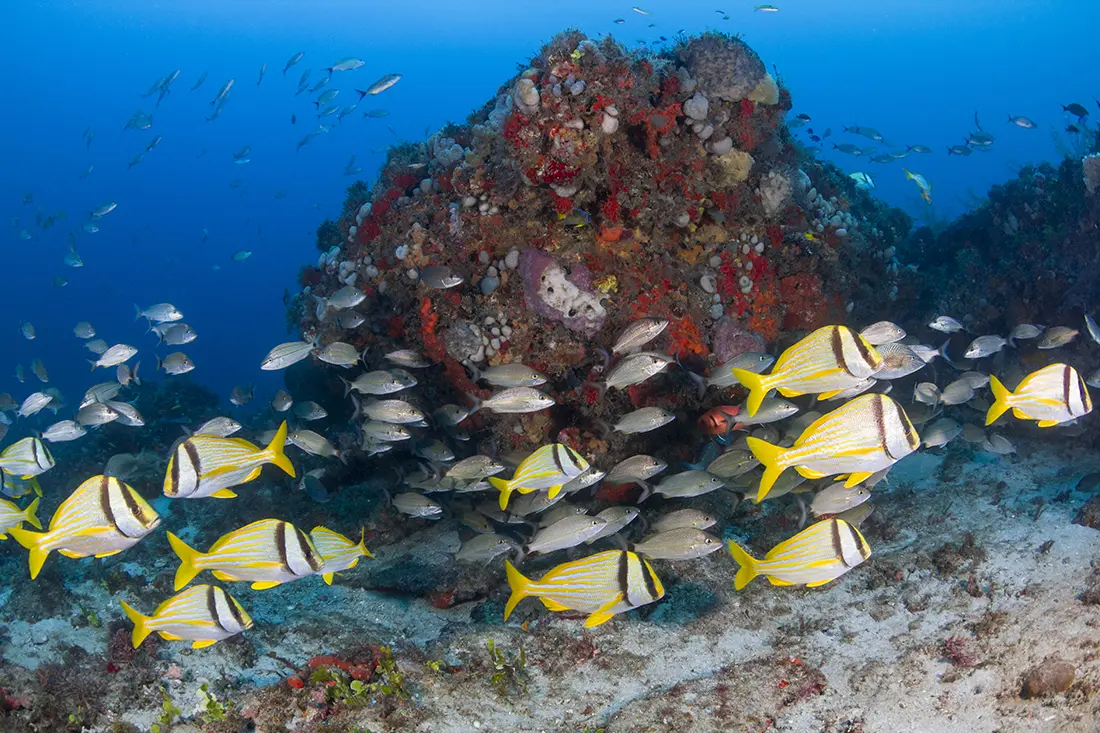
(224, 494)
(254, 475)
(169, 637)
(203, 643)
(809, 472)
(108, 554)
(1047, 423)
(264, 585)
(70, 554)
(602, 614)
(553, 605)
(856, 478)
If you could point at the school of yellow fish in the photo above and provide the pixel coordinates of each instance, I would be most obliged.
(857, 443)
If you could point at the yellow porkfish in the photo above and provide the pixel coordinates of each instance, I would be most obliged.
(815, 556)
(102, 517)
(600, 585)
(203, 615)
(863, 436)
(549, 467)
(206, 465)
(266, 553)
(826, 362)
(1054, 394)
(338, 553)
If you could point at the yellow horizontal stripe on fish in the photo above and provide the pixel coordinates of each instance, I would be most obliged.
(1052, 395)
(819, 554)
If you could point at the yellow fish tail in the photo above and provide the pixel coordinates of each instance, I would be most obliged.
(748, 569)
(518, 583)
(30, 514)
(31, 540)
(505, 488)
(769, 456)
(1001, 397)
(758, 386)
(188, 557)
(140, 621)
(275, 452)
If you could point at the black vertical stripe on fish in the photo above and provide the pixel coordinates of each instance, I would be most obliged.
(624, 573)
(233, 610)
(128, 497)
(1067, 375)
(174, 486)
(193, 456)
(864, 353)
(879, 418)
(557, 458)
(34, 453)
(105, 501)
(307, 552)
(838, 545)
(837, 343)
(212, 607)
(864, 550)
(1083, 394)
(280, 543)
(907, 425)
(650, 580)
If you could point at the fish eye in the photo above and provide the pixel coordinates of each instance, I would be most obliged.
(136, 511)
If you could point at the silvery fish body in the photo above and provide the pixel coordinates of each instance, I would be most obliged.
(384, 432)
(688, 483)
(265, 553)
(282, 401)
(97, 413)
(407, 358)
(637, 368)
(898, 360)
(340, 354)
(178, 334)
(684, 543)
(516, 400)
(1056, 337)
(417, 505)
(940, 433)
(176, 363)
(615, 518)
(643, 420)
(511, 375)
(475, 468)
(114, 356)
(397, 412)
(286, 354)
(733, 463)
(838, 498)
(381, 382)
(946, 324)
(565, 533)
(752, 361)
(127, 414)
(958, 392)
(313, 443)
(160, 313)
(484, 547)
(34, 404)
(984, 346)
(883, 332)
(221, 427)
(635, 468)
(638, 334)
(346, 297)
(310, 411)
(690, 518)
(440, 277)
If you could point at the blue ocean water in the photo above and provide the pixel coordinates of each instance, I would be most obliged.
(917, 71)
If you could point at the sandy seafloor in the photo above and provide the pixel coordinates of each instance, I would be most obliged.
(863, 654)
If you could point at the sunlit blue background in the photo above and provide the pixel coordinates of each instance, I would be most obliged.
(916, 70)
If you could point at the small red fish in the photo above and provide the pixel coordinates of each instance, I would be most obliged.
(719, 421)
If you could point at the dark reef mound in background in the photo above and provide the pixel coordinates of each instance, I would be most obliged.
(597, 187)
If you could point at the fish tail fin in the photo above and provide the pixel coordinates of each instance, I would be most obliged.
(30, 514)
(140, 621)
(769, 456)
(747, 562)
(477, 403)
(347, 386)
(908, 175)
(94, 365)
(1001, 397)
(275, 451)
(134, 374)
(758, 386)
(700, 382)
(504, 487)
(188, 557)
(518, 583)
(33, 542)
(137, 312)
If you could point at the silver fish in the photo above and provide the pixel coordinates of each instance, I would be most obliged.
(957, 392)
(1024, 332)
(588, 477)
(638, 334)
(484, 547)
(684, 518)
(339, 354)
(103, 392)
(408, 359)
(838, 498)
(515, 400)
(282, 401)
(637, 368)
(733, 463)
(175, 363)
(125, 375)
(940, 433)
(241, 395)
(384, 432)
(34, 404)
(63, 431)
(449, 416)
(417, 505)
(397, 412)
(635, 468)
(380, 382)
(440, 277)
(475, 468)
(313, 443)
(97, 413)
(977, 380)
(1093, 328)
(772, 409)
(564, 533)
(310, 411)
(221, 427)
(898, 360)
(972, 433)
(1056, 337)
(127, 414)
(927, 392)
(643, 420)
(751, 361)
(510, 375)
(349, 320)
(946, 324)
(346, 297)
(176, 334)
(114, 356)
(84, 330)
(616, 518)
(984, 346)
(159, 313)
(96, 346)
(381, 85)
(685, 543)
(688, 484)
(883, 332)
(995, 443)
